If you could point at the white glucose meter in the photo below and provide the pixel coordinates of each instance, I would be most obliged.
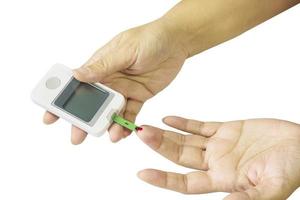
(87, 106)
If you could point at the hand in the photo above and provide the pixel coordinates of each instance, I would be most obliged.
(251, 159)
(138, 63)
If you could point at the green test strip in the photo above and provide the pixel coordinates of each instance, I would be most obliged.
(125, 123)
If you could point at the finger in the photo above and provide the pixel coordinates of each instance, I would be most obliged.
(175, 147)
(206, 129)
(191, 183)
(126, 133)
(49, 118)
(116, 132)
(114, 56)
(131, 109)
(136, 95)
(77, 135)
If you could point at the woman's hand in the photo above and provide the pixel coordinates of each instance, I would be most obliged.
(138, 63)
(142, 61)
(251, 159)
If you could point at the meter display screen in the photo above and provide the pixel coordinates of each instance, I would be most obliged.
(82, 100)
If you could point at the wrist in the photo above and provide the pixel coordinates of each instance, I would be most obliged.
(175, 34)
(193, 33)
(169, 40)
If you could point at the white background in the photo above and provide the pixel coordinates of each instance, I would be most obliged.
(254, 75)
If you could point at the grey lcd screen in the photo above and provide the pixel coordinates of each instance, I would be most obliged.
(81, 99)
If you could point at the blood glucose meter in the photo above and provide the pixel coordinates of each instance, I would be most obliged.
(90, 107)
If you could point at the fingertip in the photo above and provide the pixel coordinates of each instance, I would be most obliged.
(151, 176)
(139, 128)
(77, 135)
(80, 73)
(76, 74)
(73, 142)
(49, 118)
(115, 138)
(150, 136)
(126, 133)
(143, 174)
(166, 119)
(115, 133)
(78, 140)
(141, 131)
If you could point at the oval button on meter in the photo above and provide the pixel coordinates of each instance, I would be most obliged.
(53, 83)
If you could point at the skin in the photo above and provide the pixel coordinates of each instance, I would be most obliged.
(138, 63)
(256, 159)
(142, 61)
(251, 159)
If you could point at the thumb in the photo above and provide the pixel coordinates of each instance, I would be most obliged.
(112, 58)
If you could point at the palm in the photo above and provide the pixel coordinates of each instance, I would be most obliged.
(253, 159)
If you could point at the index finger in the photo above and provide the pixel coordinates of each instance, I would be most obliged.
(184, 150)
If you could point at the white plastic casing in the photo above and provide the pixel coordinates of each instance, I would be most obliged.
(54, 82)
